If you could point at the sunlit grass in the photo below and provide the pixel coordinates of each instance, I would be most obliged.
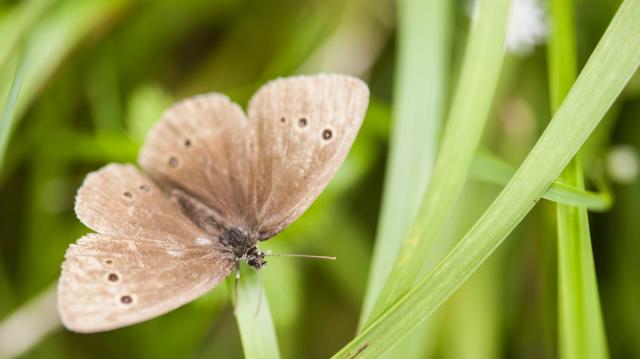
(586, 104)
(81, 82)
(581, 330)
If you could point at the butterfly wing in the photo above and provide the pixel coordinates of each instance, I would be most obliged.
(109, 281)
(147, 260)
(199, 145)
(303, 128)
(259, 174)
(120, 200)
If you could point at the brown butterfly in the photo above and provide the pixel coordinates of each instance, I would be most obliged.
(213, 183)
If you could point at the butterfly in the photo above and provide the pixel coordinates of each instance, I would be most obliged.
(212, 183)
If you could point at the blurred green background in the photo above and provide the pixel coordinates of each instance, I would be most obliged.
(93, 77)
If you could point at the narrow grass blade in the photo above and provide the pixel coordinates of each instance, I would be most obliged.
(29, 324)
(581, 330)
(8, 114)
(417, 113)
(15, 25)
(56, 35)
(591, 96)
(469, 110)
(489, 168)
(51, 40)
(256, 326)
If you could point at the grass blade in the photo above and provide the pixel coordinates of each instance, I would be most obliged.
(256, 331)
(9, 108)
(581, 329)
(34, 321)
(479, 76)
(48, 44)
(56, 35)
(15, 25)
(417, 112)
(491, 169)
(591, 96)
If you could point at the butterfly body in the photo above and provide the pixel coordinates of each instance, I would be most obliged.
(238, 242)
(213, 182)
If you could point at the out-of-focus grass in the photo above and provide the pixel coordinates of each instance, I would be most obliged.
(8, 116)
(97, 74)
(418, 108)
(483, 59)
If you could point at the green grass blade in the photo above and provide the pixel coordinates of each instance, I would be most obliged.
(417, 112)
(491, 169)
(8, 114)
(56, 35)
(49, 42)
(469, 110)
(256, 331)
(15, 25)
(591, 96)
(581, 330)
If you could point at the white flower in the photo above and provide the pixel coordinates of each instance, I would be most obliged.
(622, 164)
(527, 26)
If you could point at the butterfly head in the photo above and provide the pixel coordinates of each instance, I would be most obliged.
(254, 257)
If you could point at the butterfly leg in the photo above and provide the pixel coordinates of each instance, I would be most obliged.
(235, 284)
(255, 315)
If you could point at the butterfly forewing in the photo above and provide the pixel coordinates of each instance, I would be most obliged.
(109, 281)
(303, 128)
(199, 146)
(259, 174)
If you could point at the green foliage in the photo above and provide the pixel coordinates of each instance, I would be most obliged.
(254, 318)
(589, 99)
(581, 329)
(455, 152)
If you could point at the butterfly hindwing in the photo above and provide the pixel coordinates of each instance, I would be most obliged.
(120, 200)
(110, 281)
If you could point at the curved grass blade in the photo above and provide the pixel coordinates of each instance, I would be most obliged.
(16, 24)
(479, 76)
(591, 96)
(56, 35)
(417, 112)
(489, 168)
(8, 117)
(34, 321)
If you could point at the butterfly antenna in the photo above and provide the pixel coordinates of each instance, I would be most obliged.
(331, 258)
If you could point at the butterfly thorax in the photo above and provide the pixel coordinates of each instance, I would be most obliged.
(243, 247)
(241, 243)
